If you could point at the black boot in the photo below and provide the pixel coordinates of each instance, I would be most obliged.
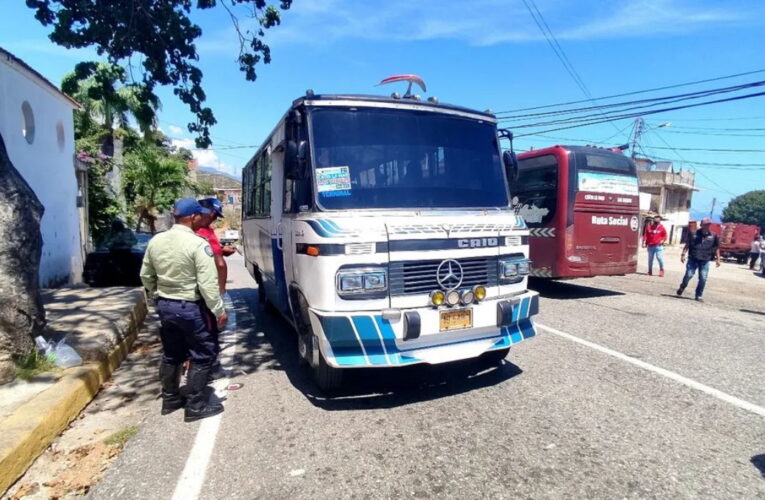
(170, 378)
(197, 406)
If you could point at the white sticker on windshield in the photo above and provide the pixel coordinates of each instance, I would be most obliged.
(595, 182)
(334, 180)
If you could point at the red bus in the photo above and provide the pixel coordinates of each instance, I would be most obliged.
(581, 204)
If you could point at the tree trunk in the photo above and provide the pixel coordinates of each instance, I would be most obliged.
(22, 316)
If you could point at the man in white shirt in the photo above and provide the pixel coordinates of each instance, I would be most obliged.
(755, 252)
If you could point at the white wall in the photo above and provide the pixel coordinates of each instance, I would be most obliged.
(47, 164)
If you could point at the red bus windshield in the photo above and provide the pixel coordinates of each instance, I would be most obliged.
(581, 204)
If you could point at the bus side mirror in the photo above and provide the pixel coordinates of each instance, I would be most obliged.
(510, 161)
(295, 160)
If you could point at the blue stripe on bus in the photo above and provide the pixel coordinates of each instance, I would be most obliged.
(345, 345)
(368, 335)
(348, 352)
(319, 229)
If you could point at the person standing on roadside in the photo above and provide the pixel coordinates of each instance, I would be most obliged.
(178, 270)
(701, 247)
(654, 237)
(207, 232)
(754, 253)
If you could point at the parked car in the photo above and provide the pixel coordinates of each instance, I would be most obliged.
(230, 236)
(105, 267)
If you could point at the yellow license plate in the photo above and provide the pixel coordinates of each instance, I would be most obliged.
(456, 320)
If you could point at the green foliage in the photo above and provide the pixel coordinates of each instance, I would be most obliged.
(153, 180)
(120, 438)
(163, 34)
(108, 100)
(749, 208)
(102, 205)
(33, 364)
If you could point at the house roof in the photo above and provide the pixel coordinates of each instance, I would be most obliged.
(8, 57)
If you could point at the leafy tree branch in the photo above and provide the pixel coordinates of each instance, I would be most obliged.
(163, 33)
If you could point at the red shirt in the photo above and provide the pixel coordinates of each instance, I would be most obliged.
(654, 235)
(208, 234)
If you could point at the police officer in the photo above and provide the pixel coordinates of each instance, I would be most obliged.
(178, 269)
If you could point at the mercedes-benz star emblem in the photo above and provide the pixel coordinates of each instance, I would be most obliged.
(449, 274)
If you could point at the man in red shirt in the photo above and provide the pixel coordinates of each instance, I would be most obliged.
(654, 237)
(207, 232)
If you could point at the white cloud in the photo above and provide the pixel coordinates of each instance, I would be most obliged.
(175, 130)
(485, 22)
(206, 157)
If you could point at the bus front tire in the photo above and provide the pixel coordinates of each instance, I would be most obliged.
(496, 357)
(328, 378)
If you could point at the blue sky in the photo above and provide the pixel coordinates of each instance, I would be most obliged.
(481, 54)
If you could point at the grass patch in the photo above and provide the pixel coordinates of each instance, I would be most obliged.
(120, 438)
(33, 364)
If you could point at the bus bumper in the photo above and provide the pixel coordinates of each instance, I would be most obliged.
(387, 338)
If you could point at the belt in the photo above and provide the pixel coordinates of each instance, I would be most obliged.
(198, 301)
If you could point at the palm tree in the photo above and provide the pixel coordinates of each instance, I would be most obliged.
(109, 101)
(153, 181)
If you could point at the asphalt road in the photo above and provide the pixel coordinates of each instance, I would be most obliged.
(559, 419)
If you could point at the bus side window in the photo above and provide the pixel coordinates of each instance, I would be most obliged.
(537, 189)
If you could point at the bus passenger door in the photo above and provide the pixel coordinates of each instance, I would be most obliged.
(535, 198)
(281, 240)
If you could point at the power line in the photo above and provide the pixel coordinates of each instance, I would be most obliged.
(647, 103)
(650, 112)
(666, 87)
(557, 49)
(683, 159)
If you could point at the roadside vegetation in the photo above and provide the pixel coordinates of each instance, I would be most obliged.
(34, 363)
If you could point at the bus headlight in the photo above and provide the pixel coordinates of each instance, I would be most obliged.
(509, 269)
(437, 298)
(513, 270)
(524, 268)
(362, 283)
(479, 291)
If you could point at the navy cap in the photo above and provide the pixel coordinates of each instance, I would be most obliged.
(213, 204)
(188, 206)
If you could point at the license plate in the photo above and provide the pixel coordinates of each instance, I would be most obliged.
(456, 320)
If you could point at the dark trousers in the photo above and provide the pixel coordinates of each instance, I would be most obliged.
(753, 259)
(186, 332)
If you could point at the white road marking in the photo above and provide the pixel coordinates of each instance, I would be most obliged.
(192, 478)
(737, 402)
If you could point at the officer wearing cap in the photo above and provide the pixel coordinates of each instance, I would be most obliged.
(178, 270)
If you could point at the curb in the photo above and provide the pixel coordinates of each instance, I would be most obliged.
(35, 424)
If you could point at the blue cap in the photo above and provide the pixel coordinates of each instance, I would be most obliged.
(213, 204)
(188, 206)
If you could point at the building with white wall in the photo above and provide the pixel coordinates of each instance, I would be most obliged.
(36, 122)
(668, 193)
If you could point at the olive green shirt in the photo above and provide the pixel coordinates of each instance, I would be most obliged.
(179, 265)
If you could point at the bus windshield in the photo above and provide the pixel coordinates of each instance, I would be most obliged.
(606, 173)
(383, 158)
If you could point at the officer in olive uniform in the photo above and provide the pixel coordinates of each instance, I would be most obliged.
(179, 270)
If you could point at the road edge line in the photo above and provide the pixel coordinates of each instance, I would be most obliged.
(711, 391)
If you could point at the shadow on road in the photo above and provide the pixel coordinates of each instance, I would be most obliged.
(759, 462)
(565, 291)
(271, 344)
(750, 311)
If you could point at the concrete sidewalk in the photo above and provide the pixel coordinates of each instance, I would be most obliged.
(101, 325)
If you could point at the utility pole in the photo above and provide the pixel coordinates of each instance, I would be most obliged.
(638, 131)
(712, 212)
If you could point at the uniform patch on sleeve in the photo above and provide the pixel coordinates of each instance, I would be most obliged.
(208, 251)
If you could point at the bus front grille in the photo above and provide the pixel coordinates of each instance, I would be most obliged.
(419, 276)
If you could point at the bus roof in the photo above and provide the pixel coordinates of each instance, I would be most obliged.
(574, 149)
(389, 102)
